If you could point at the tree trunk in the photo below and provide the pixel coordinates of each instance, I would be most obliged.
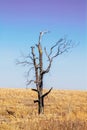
(40, 104)
(40, 101)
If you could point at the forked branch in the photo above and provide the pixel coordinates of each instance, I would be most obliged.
(62, 46)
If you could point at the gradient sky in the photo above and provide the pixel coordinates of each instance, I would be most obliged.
(20, 24)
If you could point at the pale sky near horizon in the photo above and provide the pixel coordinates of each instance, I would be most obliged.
(20, 24)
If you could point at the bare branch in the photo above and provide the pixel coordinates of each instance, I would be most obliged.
(41, 34)
(48, 68)
(47, 54)
(46, 93)
(24, 63)
(29, 82)
(54, 46)
(29, 57)
(36, 66)
(35, 101)
(50, 61)
(35, 90)
(29, 71)
(62, 46)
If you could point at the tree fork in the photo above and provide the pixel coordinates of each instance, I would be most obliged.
(40, 100)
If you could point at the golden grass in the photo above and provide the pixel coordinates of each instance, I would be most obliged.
(64, 110)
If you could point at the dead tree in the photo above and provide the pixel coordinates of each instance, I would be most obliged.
(36, 63)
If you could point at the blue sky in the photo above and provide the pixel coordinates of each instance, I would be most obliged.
(20, 24)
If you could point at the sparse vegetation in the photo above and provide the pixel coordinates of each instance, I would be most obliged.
(64, 110)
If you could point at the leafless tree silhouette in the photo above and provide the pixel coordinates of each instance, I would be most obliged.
(36, 62)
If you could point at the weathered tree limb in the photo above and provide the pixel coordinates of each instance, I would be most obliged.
(35, 67)
(46, 93)
(24, 63)
(35, 90)
(36, 101)
(51, 49)
(62, 46)
(29, 82)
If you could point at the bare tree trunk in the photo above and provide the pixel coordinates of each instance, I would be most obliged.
(40, 98)
(41, 103)
(40, 79)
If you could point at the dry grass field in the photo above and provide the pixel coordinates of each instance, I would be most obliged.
(64, 110)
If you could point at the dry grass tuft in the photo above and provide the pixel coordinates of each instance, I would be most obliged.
(64, 110)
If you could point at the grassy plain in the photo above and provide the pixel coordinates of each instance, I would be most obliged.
(64, 110)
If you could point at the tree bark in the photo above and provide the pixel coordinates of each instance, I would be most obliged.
(40, 103)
